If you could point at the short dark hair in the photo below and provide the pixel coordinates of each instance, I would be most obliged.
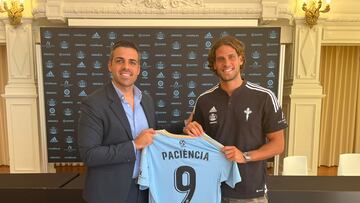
(229, 40)
(123, 43)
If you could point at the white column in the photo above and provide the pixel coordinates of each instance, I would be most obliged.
(303, 95)
(21, 101)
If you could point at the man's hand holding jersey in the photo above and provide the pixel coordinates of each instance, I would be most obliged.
(145, 138)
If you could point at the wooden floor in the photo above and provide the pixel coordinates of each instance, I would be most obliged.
(322, 170)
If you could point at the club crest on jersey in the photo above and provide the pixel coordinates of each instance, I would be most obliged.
(212, 115)
(182, 143)
(247, 113)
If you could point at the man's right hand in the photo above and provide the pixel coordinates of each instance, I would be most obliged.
(144, 139)
(193, 128)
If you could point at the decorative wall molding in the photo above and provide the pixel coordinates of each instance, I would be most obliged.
(162, 4)
(160, 9)
(307, 53)
(19, 49)
(341, 35)
(54, 10)
(2, 34)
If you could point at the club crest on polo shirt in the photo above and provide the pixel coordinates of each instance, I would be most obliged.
(247, 113)
(212, 115)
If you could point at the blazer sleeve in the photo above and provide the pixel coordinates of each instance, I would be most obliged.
(91, 132)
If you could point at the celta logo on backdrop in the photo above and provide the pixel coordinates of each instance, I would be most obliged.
(97, 64)
(80, 55)
(176, 113)
(192, 55)
(176, 75)
(270, 65)
(49, 64)
(52, 102)
(160, 65)
(161, 103)
(64, 45)
(68, 112)
(53, 130)
(48, 34)
(145, 55)
(160, 36)
(176, 45)
(66, 74)
(191, 84)
(255, 55)
(112, 35)
(69, 139)
(273, 34)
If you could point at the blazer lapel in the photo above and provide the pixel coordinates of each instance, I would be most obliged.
(118, 109)
(149, 113)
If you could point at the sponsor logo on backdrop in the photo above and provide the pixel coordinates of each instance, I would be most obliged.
(176, 45)
(96, 35)
(208, 35)
(145, 55)
(64, 45)
(80, 55)
(255, 55)
(49, 64)
(48, 34)
(112, 35)
(273, 34)
(161, 103)
(270, 64)
(176, 113)
(160, 65)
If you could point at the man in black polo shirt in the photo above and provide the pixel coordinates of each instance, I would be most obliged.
(244, 117)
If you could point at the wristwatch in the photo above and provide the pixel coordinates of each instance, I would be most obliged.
(247, 156)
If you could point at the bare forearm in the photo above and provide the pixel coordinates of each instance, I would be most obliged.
(274, 147)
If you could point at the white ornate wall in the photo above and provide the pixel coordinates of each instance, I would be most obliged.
(302, 90)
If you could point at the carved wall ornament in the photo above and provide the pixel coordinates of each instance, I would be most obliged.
(163, 4)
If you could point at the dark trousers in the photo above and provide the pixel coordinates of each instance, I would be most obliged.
(136, 195)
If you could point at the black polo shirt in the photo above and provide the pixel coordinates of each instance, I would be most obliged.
(242, 120)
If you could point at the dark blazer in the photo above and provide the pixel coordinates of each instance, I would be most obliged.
(106, 147)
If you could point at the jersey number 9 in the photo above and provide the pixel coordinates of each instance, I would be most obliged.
(185, 181)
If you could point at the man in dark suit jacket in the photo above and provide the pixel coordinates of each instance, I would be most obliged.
(115, 123)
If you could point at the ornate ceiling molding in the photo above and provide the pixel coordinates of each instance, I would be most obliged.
(60, 10)
(162, 4)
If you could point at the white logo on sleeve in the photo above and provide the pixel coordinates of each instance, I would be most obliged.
(247, 113)
(213, 115)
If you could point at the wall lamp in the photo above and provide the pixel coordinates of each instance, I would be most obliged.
(312, 10)
(14, 12)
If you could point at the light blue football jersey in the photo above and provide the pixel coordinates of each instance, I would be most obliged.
(184, 169)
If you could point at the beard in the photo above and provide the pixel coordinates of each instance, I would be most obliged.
(228, 77)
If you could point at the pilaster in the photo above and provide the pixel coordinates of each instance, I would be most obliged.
(21, 101)
(303, 95)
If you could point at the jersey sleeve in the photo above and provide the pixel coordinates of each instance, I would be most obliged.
(144, 179)
(274, 118)
(231, 174)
